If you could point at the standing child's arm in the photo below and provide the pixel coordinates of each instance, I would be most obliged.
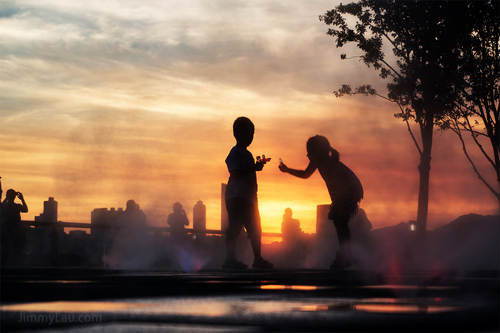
(304, 174)
(238, 173)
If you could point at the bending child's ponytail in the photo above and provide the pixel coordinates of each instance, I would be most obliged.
(335, 154)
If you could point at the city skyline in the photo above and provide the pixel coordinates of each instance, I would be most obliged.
(133, 100)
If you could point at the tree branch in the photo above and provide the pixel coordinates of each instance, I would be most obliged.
(456, 130)
(478, 144)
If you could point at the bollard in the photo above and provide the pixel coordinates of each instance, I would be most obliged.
(54, 246)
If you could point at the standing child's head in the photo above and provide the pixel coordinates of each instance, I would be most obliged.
(243, 131)
(319, 148)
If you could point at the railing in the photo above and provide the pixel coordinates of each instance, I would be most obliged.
(54, 240)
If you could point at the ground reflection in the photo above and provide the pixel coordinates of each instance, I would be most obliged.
(405, 308)
(64, 306)
(380, 305)
(230, 306)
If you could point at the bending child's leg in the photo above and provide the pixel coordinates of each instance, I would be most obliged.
(344, 257)
(343, 234)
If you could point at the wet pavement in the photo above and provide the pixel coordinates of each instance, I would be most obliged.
(98, 300)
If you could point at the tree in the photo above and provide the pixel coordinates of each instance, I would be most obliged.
(478, 94)
(424, 43)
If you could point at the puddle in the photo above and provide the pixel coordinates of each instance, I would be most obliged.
(59, 281)
(409, 287)
(226, 282)
(289, 287)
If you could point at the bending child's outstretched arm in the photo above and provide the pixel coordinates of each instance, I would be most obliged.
(304, 174)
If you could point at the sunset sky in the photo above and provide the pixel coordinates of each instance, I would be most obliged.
(105, 101)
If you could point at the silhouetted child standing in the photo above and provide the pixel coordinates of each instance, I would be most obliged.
(241, 197)
(344, 187)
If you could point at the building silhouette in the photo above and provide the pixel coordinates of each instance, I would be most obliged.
(325, 230)
(49, 211)
(39, 238)
(104, 228)
(106, 218)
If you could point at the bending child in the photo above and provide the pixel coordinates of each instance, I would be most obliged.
(241, 197)
(344, 187)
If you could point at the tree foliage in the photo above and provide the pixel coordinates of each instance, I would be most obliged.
(428, 41)
(478, 90)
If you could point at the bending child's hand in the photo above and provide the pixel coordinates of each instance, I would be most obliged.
(283, 167)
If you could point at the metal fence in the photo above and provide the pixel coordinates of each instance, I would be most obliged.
(54, 240)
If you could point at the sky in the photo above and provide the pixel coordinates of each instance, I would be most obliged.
(106, 101)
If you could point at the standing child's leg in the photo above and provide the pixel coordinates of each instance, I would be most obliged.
(232, 234)
(254, 229)
(235, 218)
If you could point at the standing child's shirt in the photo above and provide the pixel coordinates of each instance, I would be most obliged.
(246, 185)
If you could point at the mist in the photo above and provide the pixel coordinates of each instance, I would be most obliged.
(468, 243)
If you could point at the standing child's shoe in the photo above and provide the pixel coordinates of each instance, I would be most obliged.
(262, 264)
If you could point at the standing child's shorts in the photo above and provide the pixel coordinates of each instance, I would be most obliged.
(243, 212)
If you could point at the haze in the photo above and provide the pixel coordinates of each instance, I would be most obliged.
(105, 101)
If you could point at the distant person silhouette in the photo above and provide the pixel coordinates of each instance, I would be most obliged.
(177, 222)
(343, 186)
(241, 197)
(133, 216)
(290, 227)
(13, 233)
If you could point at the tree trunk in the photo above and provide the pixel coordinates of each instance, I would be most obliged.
(423, 193)
(424, 169)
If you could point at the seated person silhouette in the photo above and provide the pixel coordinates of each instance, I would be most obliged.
(343, 186)
(290, 227)
(177, 222)
(13, 235)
